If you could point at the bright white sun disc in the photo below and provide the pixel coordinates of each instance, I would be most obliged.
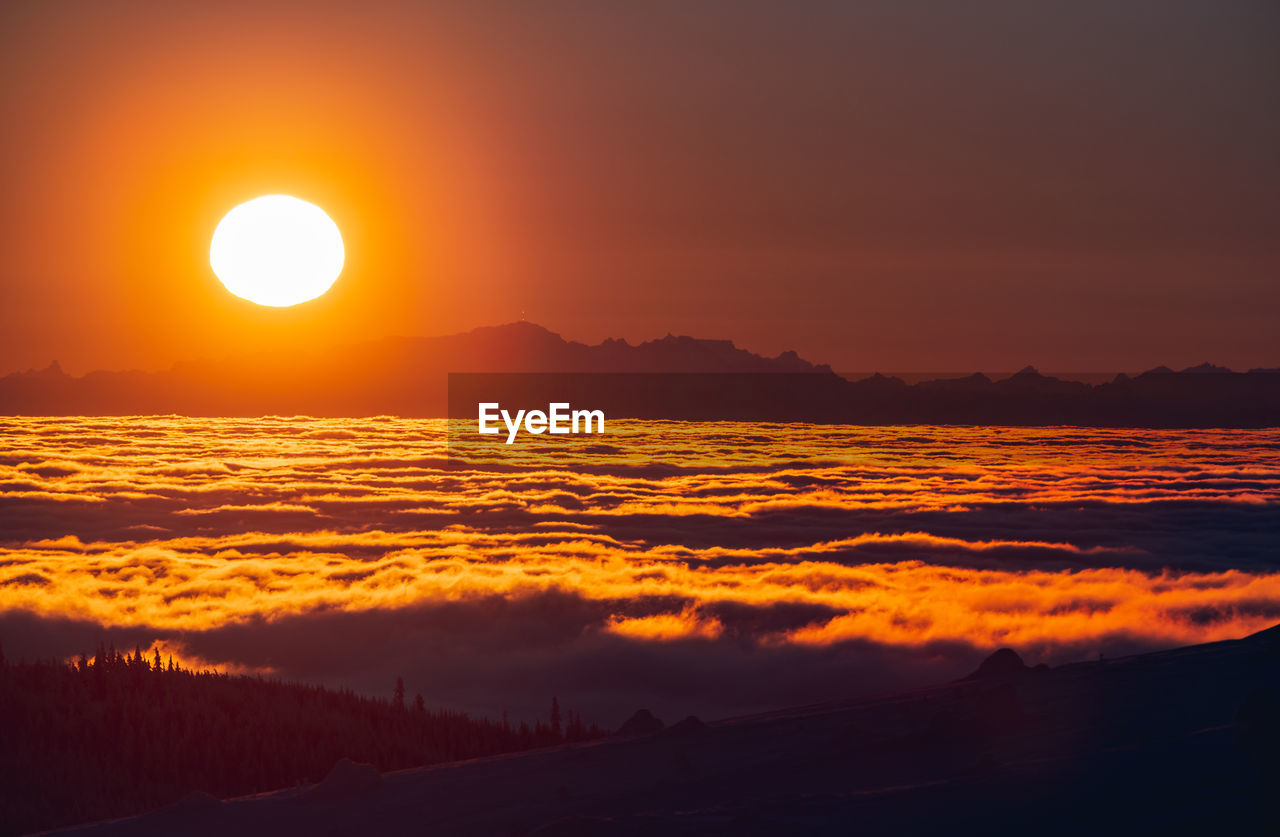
(277, 250)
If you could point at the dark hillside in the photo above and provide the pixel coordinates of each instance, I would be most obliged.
(122, 734)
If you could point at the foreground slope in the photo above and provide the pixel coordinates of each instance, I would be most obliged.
(1176, 741)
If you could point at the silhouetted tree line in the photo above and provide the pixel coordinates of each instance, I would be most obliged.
(119, 734)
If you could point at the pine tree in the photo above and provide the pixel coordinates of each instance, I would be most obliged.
(228, 734)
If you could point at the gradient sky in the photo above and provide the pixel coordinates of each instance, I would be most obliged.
(901, 186)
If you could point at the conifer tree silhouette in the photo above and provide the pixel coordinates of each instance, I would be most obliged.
(67, 724)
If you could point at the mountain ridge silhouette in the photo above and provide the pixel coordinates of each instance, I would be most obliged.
(408, 376)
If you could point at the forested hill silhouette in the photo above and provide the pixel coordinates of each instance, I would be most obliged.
(1179, 741)
(123, 733)
(670, 378)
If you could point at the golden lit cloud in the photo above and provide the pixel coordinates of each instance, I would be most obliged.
(884, 534)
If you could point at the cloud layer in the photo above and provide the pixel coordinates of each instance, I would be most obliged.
(722, 567)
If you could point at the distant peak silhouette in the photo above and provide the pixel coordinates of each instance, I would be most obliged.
(346, 778)
(1206, 368)
(1003, 662)
(641, 722)
(408, 376)
(53, 370)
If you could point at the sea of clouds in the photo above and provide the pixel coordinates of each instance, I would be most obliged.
(714, 568)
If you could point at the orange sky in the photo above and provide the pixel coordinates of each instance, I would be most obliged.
(873, 187)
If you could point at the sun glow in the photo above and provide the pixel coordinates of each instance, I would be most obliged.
(277, 250)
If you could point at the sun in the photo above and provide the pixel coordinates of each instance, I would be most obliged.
(277, 250)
